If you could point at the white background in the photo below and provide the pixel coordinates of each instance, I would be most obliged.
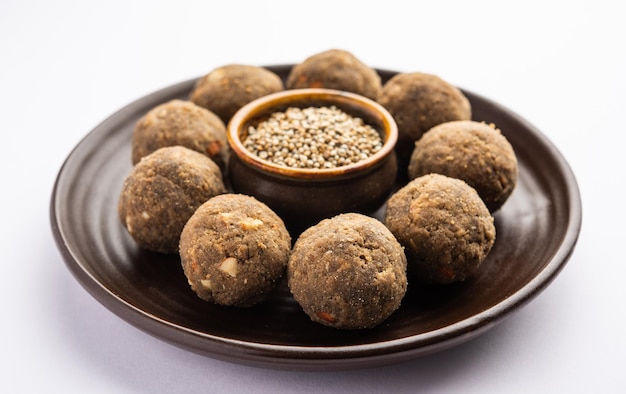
(66, 66)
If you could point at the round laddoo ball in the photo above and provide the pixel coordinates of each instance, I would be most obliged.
(444, 226)
(162, 191)
(475, 152)
(234, 250)
(226, 89)
(335, 69)
(348, 272)
(418, 102)
(179, 122)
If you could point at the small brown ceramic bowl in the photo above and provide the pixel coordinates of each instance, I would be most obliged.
(303, 196)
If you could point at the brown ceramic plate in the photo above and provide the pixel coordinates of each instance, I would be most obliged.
(536, 233)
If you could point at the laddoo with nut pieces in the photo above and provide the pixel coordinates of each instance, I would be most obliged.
(234, 250)
(418, 102)
(475, 152)
(348, 272)
(179, 122)
(226, 89)
(162, 192)
(335, 69)
(444, 226)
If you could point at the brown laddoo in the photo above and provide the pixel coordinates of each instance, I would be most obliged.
(228, 88)
(475, 152)
(183, 123)
(335, 69)
(162, 191)
(348, 272)
(418, 102)
(234, 250)
(444, 226)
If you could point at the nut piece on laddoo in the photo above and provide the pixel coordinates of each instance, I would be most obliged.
(183, 123)
(234, 250)
(335, 69)
(348, 272)
(472, 151)
(228, 88)
(444, 226)
(162, 191)
(418, 102)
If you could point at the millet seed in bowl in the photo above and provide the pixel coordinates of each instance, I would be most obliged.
(313, 137)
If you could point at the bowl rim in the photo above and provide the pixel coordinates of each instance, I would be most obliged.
(262, 104)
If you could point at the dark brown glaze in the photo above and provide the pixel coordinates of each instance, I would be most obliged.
(304, 196)
(537, 229)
